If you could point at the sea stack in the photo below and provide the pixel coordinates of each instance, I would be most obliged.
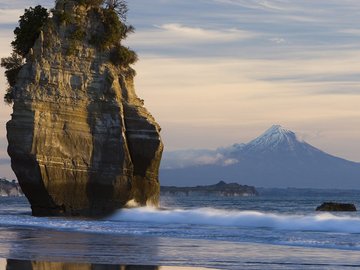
(80, 140)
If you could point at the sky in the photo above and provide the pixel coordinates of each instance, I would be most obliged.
(218, 72)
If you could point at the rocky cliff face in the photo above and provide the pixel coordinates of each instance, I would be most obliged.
(80, 140)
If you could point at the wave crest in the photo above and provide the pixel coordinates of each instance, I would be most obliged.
(324, 222)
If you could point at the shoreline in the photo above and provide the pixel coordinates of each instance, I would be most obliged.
(85, 248)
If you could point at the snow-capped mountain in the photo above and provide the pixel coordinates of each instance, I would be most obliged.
(277, 158)
(277, 141)
(274, 138)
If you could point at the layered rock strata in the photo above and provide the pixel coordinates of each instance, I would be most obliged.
(80, 140)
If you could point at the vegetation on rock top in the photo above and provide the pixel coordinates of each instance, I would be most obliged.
(105, 36)
(26, 34)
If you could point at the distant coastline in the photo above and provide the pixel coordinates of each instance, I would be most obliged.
(10, 188)
(219, 189)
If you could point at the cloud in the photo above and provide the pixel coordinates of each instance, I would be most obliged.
(278, 40)
(350, 31)
(206, 35)
(332, 73)
(177, 34)
(263, 4)
(208, 159)
(230, 30)
(230, 161)
(193, 157)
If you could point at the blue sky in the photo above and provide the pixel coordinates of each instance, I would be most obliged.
(216, 72)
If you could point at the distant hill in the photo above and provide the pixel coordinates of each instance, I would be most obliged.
(9, 188)
(277, 158)
(219, 189)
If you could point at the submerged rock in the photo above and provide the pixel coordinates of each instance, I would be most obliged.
(332, 206)
(80, 140)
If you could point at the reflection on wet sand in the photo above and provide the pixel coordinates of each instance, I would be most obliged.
(37, 265)
(108, 251)
(34, 265)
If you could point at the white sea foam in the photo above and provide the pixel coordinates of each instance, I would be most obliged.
(324, 222)
(155, 222)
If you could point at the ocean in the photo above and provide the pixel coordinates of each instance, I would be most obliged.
(279, 229)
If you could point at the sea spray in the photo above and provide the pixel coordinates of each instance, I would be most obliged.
(324, 222)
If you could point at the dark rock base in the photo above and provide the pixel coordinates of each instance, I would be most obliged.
(332, 206)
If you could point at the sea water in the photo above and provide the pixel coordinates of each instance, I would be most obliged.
(275, 230)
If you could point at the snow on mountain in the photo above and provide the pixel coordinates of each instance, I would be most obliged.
(279, 141)
(277, 158)
(274, 137)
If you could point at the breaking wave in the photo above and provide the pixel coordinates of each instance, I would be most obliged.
(198, 223)
(324, 222)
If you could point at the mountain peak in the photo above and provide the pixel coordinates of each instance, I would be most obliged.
(277, 129)
(275, 137)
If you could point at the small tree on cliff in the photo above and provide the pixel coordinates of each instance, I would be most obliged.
(12, 65)
(119, 6)
(114, 29)
(26, 33)
(29, 28)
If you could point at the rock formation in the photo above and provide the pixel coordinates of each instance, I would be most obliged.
(80, 140)
(336, 207)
